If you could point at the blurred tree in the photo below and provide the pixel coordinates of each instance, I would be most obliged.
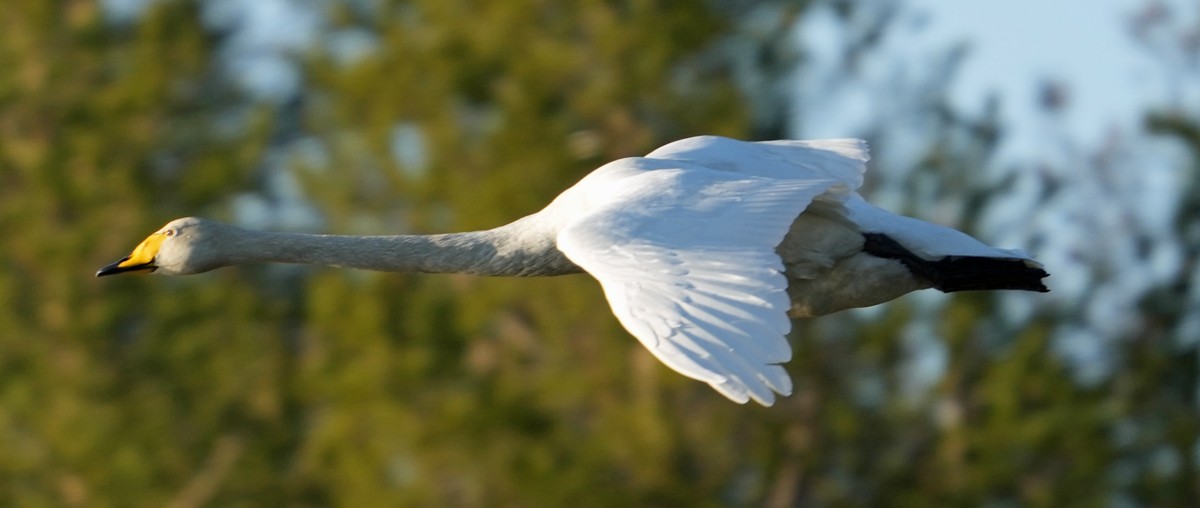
(302, 386)
(972, 400)
(1158, 430)
(107, 396)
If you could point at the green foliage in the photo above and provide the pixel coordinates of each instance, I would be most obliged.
(108, 396)
(314, 387)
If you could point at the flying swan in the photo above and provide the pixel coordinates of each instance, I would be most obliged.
(704, 249)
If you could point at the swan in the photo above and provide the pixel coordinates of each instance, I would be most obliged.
(704, 249)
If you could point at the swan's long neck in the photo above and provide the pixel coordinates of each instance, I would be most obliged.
(512, 250)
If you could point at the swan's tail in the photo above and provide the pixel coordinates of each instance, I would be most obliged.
(962, 273)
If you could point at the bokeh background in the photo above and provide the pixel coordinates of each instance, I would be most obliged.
(300, 386)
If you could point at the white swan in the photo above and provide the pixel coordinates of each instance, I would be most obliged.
(704, 248)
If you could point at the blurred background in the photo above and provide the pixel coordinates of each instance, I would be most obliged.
(1068, 128)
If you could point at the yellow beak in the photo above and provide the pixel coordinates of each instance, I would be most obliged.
(142, 257)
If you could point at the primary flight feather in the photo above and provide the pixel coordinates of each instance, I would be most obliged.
(704, 249)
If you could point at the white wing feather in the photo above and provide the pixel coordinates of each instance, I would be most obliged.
(844, 160)
(686, 256)
(925, 239)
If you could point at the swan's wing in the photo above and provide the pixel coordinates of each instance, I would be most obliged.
(687, 261)
(837, 159)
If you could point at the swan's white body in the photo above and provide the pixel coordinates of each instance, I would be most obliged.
(703, 247)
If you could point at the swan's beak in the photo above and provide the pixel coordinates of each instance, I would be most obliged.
(142, 257)
(123, 266)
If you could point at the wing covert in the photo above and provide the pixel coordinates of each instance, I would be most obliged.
(844, 160)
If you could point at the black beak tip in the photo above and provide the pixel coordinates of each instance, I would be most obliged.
(112, 268)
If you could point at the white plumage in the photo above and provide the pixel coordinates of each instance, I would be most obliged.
(703, 247)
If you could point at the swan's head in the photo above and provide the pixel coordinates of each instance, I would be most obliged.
(182, 247)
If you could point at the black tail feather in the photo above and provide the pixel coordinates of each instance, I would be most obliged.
(961, 273)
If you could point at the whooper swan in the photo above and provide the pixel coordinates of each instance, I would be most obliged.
(704, 248)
